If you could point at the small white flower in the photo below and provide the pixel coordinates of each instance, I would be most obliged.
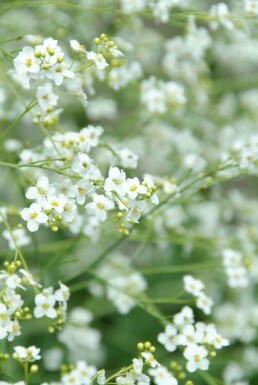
(135, 211)
(18, 237)
(98, 59)
(46, 97)
(83, 165)
(26, 62)
(29, 354)
(40, 191)
(101, 378)
(162, 376)
(192, 285)
(45, 306)
(99, 207)
(150, 359)
(221, 13)
(127, 158)
(133, 188)
(88, 137)
(81, 190)
(62, 294)
(169, 338)
(34, 216)
(184, 317)
(57, 202)
(196, 357)
(76, 46)
(115, 181)
(204, 303)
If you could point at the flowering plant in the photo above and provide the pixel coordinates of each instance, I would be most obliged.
(128, 157)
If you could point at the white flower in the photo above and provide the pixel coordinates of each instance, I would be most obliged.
(151, 187)
(129, 379)
(99, 207)
(34, 216)
(169, 338)
(83, 165)
(135, 211)
(26, 62)
(29, 354)
(150, 359)
(189, 335)
(45, 305)
(40, 191)
(98, 59)
(216, 340)
(127, 158)
(81, 190)
(86, 372)
(46, 97)
(76, 46)
(133, 188)
(89, 137)
(196, 357)
(184, 317)
(115, 181)
(18, 237)
(174, 94)
(137, 371)
(237, 277)
(204, 302)
(192, 285)
(101, 378)
(231, 258)
(62, 294)
(221, 13)
(57, 202)
(162, 376)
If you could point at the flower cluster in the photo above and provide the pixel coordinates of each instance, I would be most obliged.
(235, 268)
(12, 309)
(158, 96)
(58, 204)
(196, 288)
(81, 340)
(122, 285)
(198, 339)
(43, 61)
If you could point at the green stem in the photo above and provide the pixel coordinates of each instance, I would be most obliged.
(31, 105)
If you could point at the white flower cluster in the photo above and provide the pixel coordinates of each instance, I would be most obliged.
(121, 285)
(12, 310)
(30, 354)
(198, 339)
(82, 341)
(239, 321)
(11, 306)
(196, 288)
(158, 96)
(52, 304)
(160, 8)
(220, 12)
(17, 237)
(184, 58)
(121, 77)
(135, 375)
(235, 269)
(82, 374)
(86, 187)
(162, 376)
(44, 61)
